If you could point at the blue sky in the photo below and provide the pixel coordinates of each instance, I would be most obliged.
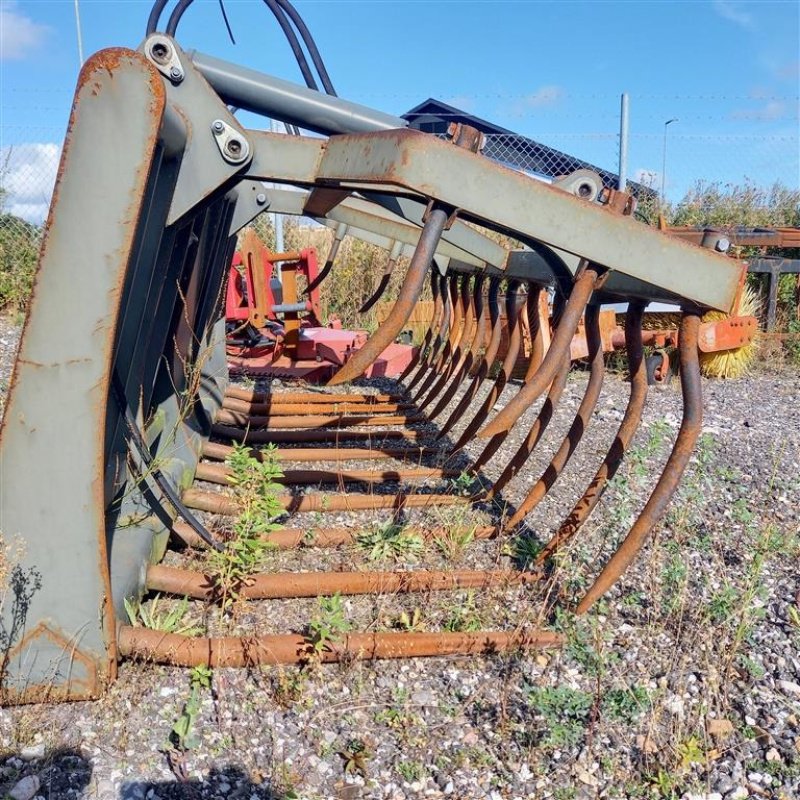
(551, 70)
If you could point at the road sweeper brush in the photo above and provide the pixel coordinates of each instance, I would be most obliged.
(115, 427)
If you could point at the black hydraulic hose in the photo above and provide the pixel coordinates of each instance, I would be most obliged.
(281, 16)
(155, 16)
(137, 440)
(310, 44)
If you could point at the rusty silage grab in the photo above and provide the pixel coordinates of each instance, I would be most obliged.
(152, 134)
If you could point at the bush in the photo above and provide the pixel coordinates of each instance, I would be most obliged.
(19, 253)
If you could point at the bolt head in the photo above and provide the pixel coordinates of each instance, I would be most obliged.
(176, 73)
(261, 198)
(218, 126)
(723, 245)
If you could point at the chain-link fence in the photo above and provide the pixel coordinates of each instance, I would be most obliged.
(664, 165)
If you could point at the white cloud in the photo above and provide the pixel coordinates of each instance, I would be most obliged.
(20, 36)
(734, 12)
(28, 174)
(541, 98)
(769, 112)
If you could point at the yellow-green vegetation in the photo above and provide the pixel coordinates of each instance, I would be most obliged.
(256, 492)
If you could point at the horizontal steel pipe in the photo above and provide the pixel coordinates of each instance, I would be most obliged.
(216, 503)
(278, 408)
(279, 585)
(307, 421)
(220, 473)
(244, 434)
(220, 452)
(289, 538)
(252, 396)
(234, 651)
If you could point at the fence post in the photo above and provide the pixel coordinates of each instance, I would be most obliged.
(623, 142)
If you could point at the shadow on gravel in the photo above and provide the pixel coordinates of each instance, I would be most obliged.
(228, 783)
(64, 773)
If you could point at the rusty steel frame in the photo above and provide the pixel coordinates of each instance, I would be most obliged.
(146, 356)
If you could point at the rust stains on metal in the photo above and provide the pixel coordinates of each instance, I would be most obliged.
(270, 586)
(691, 390)
(247, 651)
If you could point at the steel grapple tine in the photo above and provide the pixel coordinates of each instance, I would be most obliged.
(484, 363)
(423, 352)
(444, 355)
(535, 433)
(582, 290)
(627, 429)
(470, 354)
(524, 320)
(384, 280)
(691, 390)
(441, 334)
(401, 311)
(341, 232)
(507, 367)
(463, 339)
(579, 424)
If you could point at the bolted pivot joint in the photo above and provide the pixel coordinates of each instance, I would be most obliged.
(160, 51)
(231, 143)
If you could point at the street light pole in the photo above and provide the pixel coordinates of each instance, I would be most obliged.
(78, 27)
(664, 163)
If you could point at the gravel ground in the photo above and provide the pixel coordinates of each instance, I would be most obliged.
(684, 682)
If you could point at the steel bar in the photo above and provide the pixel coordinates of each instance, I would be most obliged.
(559, 347)
(234, 651)
(535, 433)
(341, 232)
(290, 538)
(278, 409)
(408, 296)
(443, 357)
(691, 389)
(627, 429)
(322, 421)
(469, 355)
(579, 424)
(216, 503)
(507, 367)
(252, 396)
(514, 346)
(423, 351)
(220, 452)
(483, 365)
(314, 435)
(442, 316)
(220, 473)
(278, 585)
(463, 345)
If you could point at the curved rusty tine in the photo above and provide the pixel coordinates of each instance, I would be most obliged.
(406, 300)
(470, 354)
(484, 363)
(341, 232)
(493, 445)
(443, 357)
(423, 351)
(249, 651)
(442, 330)
(579, 297)
(627, 429)
(535, 433)
(535, 323)
(691, 389)
(579, 424)
(463, 339)
(384, 280)
(514, 341)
